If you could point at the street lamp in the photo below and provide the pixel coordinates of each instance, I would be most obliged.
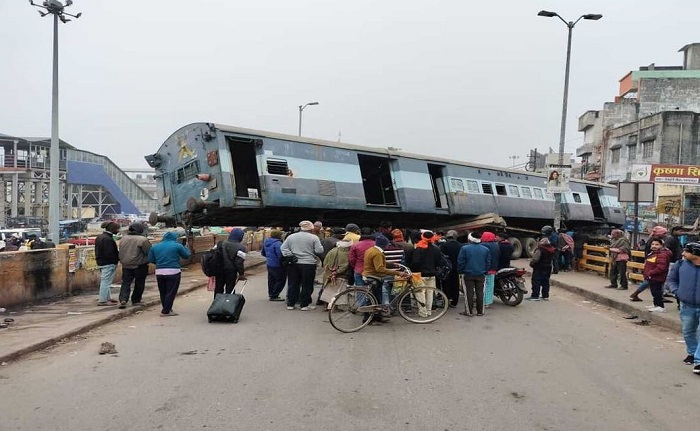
(513, 158)
(57, 9)
(562, 134)
(301, 108)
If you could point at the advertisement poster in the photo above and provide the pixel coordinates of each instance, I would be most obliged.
(558, 178)
(667, 174)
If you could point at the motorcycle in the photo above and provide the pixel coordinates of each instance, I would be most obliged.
(510, 286)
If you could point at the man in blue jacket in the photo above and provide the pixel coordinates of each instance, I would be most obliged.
(473, 261)
(684, 282)
(276, 273)
(166, 255)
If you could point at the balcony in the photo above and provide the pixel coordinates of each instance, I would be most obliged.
(587, 120)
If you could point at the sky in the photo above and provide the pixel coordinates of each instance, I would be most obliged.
(472, 81)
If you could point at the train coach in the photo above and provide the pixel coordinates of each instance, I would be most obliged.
(211, 174)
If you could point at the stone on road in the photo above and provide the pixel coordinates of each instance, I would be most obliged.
(557, 365)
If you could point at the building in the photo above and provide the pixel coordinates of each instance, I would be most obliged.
(91, 185)
(653, 120)
(145, 179)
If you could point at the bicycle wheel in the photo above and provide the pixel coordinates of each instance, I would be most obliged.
(349, 309)
(420, 304)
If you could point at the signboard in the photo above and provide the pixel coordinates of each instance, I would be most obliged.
(667, 174)
(629, 226)
(558, 178)
(628, 191)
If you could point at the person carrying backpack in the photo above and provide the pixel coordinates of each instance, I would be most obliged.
(233, 254)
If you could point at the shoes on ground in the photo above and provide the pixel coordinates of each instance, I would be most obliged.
(689, 360)
(622, 288)
(669, 295)
(533, 298)
(635, 299)
(122, 305)
(307, 308)
(290, 307)
(171, 314)
(611, 286)
(111, 302)
(657, 309)
(696, 369)
(276, 298)
(138, 304)
(545, 299)
(466, 313)
(479, 314)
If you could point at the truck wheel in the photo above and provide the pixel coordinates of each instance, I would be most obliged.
(517, 247)
(529, 246)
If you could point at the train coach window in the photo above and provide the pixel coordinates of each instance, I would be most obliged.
(577, 198)
(513, 191)
(187, 172)
(457, 184)
(472, 186)
(501, 190)
(527, 193)
(487, 188)
(277, 167)
(538, 193)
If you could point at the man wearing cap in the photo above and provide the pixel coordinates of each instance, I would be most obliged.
(133, 254)
(307, 248)
(107, 258)
(451, 248)
(473, 262)
(352, 233)
(375, 267)
(684, 281)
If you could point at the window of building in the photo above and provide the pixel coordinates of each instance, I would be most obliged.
(647, 149)
(187, 172)
(487, 188)
(501, 190)
(513, 191)
(277, 167)
(527, 193)
(632, 152)
(577, 198)
(615, 155)
(472, 186)
(538, 193)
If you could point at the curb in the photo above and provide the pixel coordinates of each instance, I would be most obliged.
(100, 322)
(667, 323)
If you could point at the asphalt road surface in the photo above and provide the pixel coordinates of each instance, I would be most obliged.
(565, 364)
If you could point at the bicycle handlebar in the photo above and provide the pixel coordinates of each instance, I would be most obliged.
(405, 269)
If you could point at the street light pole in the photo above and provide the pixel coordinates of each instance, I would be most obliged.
(301, 109)
(57, 9)
(562, 133)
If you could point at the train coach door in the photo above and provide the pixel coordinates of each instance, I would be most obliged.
(437, 181)
(595, 202)
(245, 166)
(377, 180)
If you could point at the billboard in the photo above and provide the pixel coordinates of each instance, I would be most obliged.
(558, 178)
(667, 174)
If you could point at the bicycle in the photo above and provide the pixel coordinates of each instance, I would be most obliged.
(353, 308)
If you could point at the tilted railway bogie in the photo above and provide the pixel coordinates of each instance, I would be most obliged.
(211, 174)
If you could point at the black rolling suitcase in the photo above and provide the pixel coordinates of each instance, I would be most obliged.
(226, 307)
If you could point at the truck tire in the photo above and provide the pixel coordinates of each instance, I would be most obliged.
(529, 246)
(517, 247)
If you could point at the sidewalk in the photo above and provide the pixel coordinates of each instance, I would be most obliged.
(591, 285)
(39, 326)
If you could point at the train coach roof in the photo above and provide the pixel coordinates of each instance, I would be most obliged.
(376, 150)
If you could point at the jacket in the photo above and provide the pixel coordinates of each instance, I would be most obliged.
(656, 265)
(272, 251)
(167, 253)
(374, 264)
(357, 254)
(451, 249)
(473, 259)
(426, 260)
(106, 251)
(336, 264)
(495, 251)
(304, 245)
(618, 247)
(684, 281)
(233, 255)
(542, 258)
(133, 251)
(506, 250)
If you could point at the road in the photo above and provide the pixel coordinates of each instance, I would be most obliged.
(562, 365)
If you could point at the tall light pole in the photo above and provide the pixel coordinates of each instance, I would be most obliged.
(562, 133)
(514, 158)
(301, 109)
(57, 9)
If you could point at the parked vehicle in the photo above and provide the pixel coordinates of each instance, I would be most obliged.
(510, 285)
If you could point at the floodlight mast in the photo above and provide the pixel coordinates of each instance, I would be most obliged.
(58, 10)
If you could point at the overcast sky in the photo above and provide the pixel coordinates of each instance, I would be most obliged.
(475, 81)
